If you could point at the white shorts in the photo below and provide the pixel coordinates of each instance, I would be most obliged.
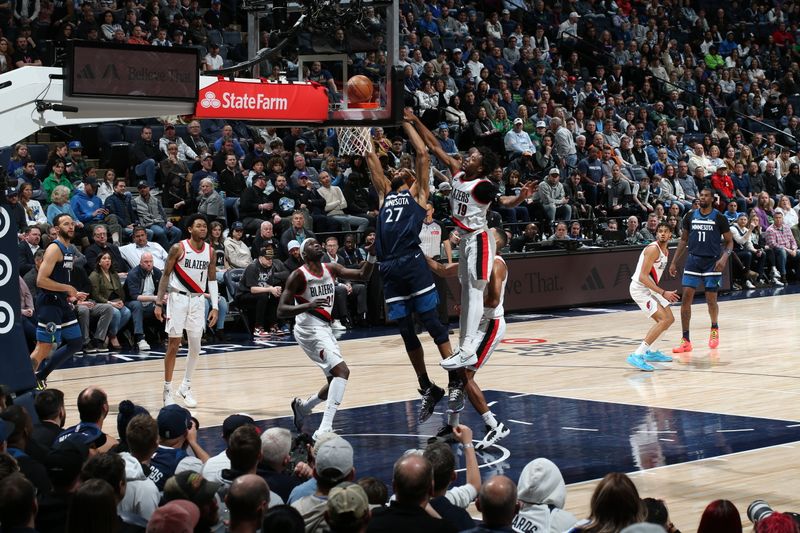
(320, 346)
(646, 299)
(185, 313)
(476, 257)
(491, 332)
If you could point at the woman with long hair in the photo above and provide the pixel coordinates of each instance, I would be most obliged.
(58, 152)
(615, 505)
(217, 244)
(107, 288)
(106, 187)
(720, 516)
(501, 122)
(93, 509)
(35, 214)
(6, 55)
(20, 155)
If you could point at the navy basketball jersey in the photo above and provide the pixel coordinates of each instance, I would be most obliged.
(705, 232)
(399, 223)
(62, 270)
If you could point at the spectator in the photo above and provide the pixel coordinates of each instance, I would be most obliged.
(107, 289)
(783, 247)
(295, 232)
(34, 212)
(210, 202)
(28, 247)
(236, 251)
(450, 504)
(18, 505)
(100, 246)
(300, 167)
(255, 206)
(553, 198)
(121, 205)
(93, 410)
(412, 481)
(151, 215)
(276, 443)
(615, 505)
(212, 469)
(93, 509)
(64, 463)
(265, 237)
(247, 501)
(17, 442)
(720, 516)
(177, 516)
(133, 252)
(52, 415)
(348, 508)
(335, 204)
(334, 464)
(498, 505)
(173, 166)
(142, 285)
(517, 142)
(142, 496)
(259, 290)
(542, 493)
(145, 154)
(177, 433)
(25, 54)
(88, 208)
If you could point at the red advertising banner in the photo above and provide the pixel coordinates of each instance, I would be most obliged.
(263, 100)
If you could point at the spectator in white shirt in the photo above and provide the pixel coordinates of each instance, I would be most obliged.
(517, 142)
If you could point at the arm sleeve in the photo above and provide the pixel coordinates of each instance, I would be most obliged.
(461, 496)
(686, 223)
(722, 223)
(485, 192)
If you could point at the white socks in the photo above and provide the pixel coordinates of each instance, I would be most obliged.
(489, 419)
(642, 349)
(335, 396)
(192, 358)
(312, 401)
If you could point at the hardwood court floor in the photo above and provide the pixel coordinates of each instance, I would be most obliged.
(754, 372)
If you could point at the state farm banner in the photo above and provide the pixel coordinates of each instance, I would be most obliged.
(263, 100)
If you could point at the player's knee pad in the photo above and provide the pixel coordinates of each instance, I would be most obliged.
(436, 329)
(410, 339)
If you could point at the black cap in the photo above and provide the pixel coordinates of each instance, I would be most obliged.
(143, 185)
(234, 422)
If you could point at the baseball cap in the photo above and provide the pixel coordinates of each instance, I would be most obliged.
(555, 171)
(574, 14)
(681, 129)
(234, 422)
(173, 421)
(506, 12)
(88, 434)
(90, 181)
(456, 50)
(541, 124)
(143, 185)
(177, 516)
(169, 127)
(75, 145)
(206, 156)
(518, 121)
(334, 459)
(347, 499)
(237, 225)
(267, 251)
(572, 79)
(190, 486)
(680, 107)
(11, 191)
(300, 141)
(65, 460)
(444, 186)
(6, 429)
(541, 480)
(293, 245)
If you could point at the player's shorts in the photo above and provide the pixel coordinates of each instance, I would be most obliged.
(491, 332)
(185, 312)
(56, 319)
(476, 256)
(646, 299)
(700, 270)
(320, 346)
(408, 285)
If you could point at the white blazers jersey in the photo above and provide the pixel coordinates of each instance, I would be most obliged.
(468, 213)
(316, 287)
(498, 312)
(191, 269)
(657, 271)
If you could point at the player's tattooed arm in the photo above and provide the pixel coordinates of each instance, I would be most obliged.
(287, 307)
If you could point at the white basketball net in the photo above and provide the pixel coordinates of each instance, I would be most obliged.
(354, 140)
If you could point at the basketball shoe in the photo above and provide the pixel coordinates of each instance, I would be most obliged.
(168, 399)
(684, 347)
(185, 392)
(299, 413)
(459, 359)
(637, 361)
(713, 338)
(430, 397)
(657, 357)
(455, 399)
(493, 435)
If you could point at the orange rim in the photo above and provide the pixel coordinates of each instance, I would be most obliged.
(364, 105)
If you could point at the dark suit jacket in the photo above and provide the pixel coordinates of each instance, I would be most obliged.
(133, 283)
(25, 258)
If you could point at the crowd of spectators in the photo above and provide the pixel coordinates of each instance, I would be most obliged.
(155, 476)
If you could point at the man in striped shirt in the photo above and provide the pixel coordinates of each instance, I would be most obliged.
(781, 241)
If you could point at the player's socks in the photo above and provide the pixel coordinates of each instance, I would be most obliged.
(193, 357)
(489, 419)
(453, 419)
(311, 402)
(424, 381)
(642, 349)
(335, 396)
(714, 325)
(453, 379)
(686, 335)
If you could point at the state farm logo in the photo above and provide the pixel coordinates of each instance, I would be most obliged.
(210, 100)
(244, 102)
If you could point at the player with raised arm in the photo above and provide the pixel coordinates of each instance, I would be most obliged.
(704, 230)
(470, 199)
(309, 297)
(652, 299)
(55, 311)
(408, 285)
(492, 329)
(189, 273)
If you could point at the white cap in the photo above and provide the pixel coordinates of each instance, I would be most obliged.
(574, 14)
(518, 121)
(555, 171)
(541, 124)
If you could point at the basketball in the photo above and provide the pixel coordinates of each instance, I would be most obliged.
(359, 89)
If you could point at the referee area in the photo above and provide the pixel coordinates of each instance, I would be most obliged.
(711, 419)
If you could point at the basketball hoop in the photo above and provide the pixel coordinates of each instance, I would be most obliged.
(354, 140)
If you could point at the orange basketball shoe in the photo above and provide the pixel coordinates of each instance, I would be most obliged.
(684, 347)
(713, 339)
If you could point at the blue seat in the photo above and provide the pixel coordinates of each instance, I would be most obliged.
(214, 36)
(41, 170)
(231, 278)
(232, 38)
(109, 132)
(38, 152)
(133, 133)
(5, 155)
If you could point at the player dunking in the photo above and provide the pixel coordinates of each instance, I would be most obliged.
(703, 231)
(492, 329)
(472, 193)
(309, 297)
(652, 299)
(408, 285)
(54, 304)
(190, 272)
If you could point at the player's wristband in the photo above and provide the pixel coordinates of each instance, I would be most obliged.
(213, 291)
(372, 259)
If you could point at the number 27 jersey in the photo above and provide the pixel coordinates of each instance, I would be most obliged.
(399, 223)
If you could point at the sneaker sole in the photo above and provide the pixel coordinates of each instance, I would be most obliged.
(482, 445)
(297, 415)
(423, 416)
(644, 367)
(454, 365)
(186, 401)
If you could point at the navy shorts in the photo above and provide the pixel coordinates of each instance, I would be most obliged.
(56, 319)
(700, 270)
(408, 285)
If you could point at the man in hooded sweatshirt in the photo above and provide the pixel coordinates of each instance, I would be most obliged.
(541, 493)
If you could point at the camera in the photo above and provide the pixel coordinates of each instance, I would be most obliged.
(758, 510)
